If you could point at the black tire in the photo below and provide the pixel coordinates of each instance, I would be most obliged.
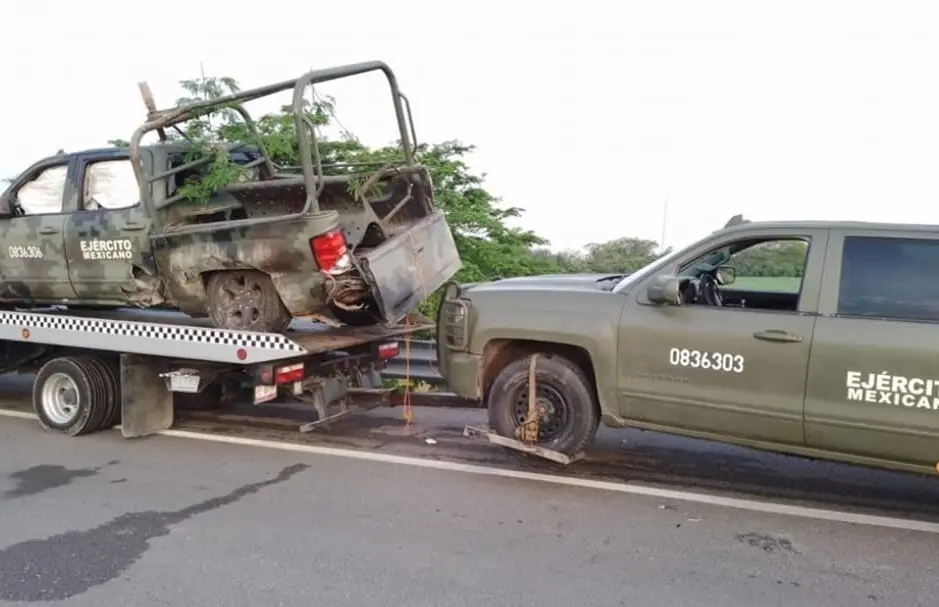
(245, 300)
(70, 396)
(572, 419)
(110, 374)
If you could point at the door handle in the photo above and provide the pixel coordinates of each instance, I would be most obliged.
(133, 227)
(778, 335)
(49, 230)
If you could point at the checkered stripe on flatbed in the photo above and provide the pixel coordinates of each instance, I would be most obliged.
(146, 330)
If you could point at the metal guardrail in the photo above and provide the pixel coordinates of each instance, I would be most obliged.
(423, 361)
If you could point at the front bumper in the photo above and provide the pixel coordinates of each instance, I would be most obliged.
(462, 374)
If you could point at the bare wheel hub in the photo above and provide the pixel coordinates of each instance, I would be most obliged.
(241, 299)
(60, 398)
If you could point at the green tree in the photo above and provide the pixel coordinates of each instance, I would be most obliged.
(779, 258)
(620, 255)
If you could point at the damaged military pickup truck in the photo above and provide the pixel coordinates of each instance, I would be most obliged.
(113, 227)
(838, 363)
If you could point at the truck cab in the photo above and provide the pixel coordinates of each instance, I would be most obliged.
(835, 362)
(74, 229)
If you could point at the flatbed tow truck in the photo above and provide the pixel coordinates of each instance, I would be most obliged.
(98, 369)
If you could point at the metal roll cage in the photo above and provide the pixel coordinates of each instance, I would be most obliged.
(311, 165)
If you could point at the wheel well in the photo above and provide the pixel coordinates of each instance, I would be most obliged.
(500, 352)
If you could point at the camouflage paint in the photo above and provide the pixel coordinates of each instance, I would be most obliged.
(403, 249)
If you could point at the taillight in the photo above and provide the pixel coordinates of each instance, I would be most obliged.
(388, 350)
(288, 374)
(331, 252)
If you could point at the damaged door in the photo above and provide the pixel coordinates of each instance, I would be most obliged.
(107, 237)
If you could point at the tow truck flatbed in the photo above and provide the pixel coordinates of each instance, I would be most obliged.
(96, 369)
(176, 335)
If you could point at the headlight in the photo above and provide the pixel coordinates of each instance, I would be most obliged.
(453, 322)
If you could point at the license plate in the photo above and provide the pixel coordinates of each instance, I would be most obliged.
(262, 394)
(184, 383)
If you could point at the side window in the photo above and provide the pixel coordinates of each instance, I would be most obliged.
(767, 274)
(43, 194)
(109, 185)
(773, 265)
(889, 278)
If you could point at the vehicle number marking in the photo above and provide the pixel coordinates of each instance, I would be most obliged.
(27, 252)
(714, 361)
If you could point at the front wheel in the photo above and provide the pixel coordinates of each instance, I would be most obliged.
(567, 411)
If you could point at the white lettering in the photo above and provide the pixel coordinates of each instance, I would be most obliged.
(854, 379)
(107, 249)
(885, 388)
(711, 361)
(24, 252)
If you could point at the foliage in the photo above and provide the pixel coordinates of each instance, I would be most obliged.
(619, 256)
(776, 258)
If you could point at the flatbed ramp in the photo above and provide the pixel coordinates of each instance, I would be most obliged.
(175, 335)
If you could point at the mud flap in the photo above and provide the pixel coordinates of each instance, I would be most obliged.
(146, 403)
(407, 269)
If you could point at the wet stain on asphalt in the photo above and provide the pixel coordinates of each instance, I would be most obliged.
(767, 543)
(66, 565)
(43, 477)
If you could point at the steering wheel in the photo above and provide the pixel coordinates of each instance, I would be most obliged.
(711, 290)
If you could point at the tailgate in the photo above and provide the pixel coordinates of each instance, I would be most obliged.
(407, 269)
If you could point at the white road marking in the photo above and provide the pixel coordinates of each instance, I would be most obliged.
(767, 507)
(17, 414)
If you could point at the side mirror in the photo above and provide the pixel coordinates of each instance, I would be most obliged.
(726, 275)
(664, 290)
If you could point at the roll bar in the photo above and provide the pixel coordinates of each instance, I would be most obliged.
(160, 120)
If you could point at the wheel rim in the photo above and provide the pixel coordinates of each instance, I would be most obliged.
(240, 300)
(60, 400)
(554, 413)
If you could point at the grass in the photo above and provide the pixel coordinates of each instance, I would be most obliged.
(766, 283)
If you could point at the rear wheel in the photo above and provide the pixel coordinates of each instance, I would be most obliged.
(567, 413)
(245, 300)
(75, 395)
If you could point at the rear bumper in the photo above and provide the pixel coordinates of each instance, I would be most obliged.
(407, 269)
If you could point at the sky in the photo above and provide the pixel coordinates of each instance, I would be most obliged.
(588, 115)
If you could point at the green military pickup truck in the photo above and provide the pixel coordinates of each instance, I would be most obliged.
(843, 365)
(107, 228)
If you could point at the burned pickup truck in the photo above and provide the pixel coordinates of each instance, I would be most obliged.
(109, 228)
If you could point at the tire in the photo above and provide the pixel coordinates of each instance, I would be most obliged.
(73, 396)
(245, 300)
(572, 419)
(110, 373)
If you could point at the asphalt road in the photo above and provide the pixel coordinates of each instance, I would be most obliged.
(98, 521)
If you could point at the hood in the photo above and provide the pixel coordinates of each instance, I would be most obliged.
(579, 282)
